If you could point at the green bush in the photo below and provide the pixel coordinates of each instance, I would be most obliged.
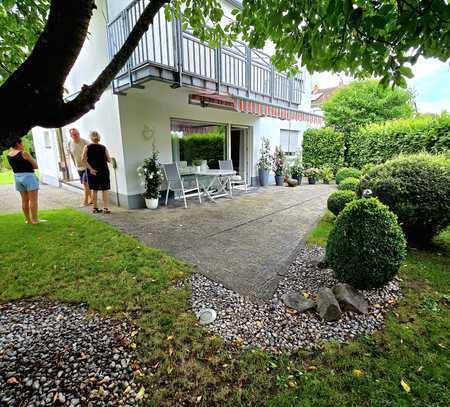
(347, 172)
(378, 143)
(337, 201)
(417, 189)
(366, 246)
(323, 147)
(349, 184)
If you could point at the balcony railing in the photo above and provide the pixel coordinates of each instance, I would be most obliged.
(168, 53)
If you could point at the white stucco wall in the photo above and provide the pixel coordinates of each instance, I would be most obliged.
(46, 148)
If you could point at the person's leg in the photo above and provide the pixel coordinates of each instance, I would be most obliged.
(87, 194)
(105, 196)
(33, 199)
(25, 206)
(94, 198)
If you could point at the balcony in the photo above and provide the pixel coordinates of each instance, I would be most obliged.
(168, 53)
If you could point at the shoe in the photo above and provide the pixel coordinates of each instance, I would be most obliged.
(96, 210)
(106, 210)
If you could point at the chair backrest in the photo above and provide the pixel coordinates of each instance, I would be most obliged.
(182, 164)
(226, 165)
(172, 175)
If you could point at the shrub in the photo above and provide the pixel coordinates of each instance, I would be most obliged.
(349, 184)
(378, 143)
(323, 147)
(337, 201)
(326, 174)
(347, 172)
(417, 189)
(366, 246)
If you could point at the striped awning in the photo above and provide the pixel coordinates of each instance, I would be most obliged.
(283, 113)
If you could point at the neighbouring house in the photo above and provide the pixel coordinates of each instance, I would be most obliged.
(189, 100)
(320, 95)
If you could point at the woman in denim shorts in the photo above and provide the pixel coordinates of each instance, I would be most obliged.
(23, 166)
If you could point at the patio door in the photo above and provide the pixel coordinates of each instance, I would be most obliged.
(238, 150)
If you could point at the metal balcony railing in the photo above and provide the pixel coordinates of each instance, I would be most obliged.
(168, 53)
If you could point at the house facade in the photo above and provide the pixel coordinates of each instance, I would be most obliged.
(173, 90)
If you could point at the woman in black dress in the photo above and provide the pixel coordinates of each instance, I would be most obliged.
(97, 158)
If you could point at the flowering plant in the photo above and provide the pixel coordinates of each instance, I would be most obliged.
(278, 161)
(264, 159)
(296, 169)
(151, 176)
(312, 173)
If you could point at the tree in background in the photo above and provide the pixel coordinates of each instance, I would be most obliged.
(377, 38)
(366, 102)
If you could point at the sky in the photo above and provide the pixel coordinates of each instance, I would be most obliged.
(430, 84)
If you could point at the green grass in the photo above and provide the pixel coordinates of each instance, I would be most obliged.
(318, 236)
(76, 258)
(6, 177)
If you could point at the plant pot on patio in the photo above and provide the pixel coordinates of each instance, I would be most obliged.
(151, 203)
(298, 178)
(312, 181)
(263, 177)
(279, 180)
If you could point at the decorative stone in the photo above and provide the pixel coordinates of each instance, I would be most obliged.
(206, 316)
(327, 305)
(292, 182)
(298, 302)
(349, 299)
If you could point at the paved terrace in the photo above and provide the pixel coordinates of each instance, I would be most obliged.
(245, 243)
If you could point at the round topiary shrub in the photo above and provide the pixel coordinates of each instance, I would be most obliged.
(366, 246)
(347, 172)
(349, 184)
(337, 201)
(417, 189)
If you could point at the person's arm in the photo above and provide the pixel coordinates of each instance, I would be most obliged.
(28, 157)
(108, 157)
(84, 158)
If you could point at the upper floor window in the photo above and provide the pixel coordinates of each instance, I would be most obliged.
(289, 141)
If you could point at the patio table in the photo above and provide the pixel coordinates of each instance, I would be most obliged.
(218, 181)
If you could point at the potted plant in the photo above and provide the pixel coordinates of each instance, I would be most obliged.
(264, 163)
(312, 174)
(326, 174)
(278, 164)
(197, 164)
(297, 171)
(150, 174)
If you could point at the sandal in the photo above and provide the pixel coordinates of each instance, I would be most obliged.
(106, 210)
(96, 210)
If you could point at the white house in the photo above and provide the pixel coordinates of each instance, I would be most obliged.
(174, 84)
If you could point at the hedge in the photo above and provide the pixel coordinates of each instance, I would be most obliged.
(208, 147)
(378, 143)
(322, 147)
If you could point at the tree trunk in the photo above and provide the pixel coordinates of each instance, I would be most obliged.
(33, 94)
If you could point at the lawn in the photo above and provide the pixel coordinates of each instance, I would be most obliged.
(6, 177)
(73, 257)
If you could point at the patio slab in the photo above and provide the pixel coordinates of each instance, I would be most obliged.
(246, 243)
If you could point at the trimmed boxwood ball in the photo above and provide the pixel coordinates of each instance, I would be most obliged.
(417, 189)
(337, 201)
(366, 246)
(349, 184)
(347, 172)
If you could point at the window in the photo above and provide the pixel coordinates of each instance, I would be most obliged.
(289, 140)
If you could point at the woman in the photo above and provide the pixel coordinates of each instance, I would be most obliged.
(23, 166)
(97, 158)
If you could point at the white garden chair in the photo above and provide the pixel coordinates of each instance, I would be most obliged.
(175, 183)
(235, 179)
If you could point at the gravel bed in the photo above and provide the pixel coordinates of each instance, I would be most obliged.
(59, 354)
(272, 326)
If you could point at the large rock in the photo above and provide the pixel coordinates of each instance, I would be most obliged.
(298, 302)
(349, 299)
(292, 182)
(327, 305)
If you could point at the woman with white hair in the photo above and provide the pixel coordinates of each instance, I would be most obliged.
(97, 158)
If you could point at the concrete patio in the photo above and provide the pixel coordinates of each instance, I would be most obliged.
(245, 243)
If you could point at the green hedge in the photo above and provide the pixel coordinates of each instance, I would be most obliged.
(378, 143)
(323, 147)
(208, 147)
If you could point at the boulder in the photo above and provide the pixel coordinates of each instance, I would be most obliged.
(298, 302)
(327, 305)
(292, 182)
(318, 262)
(349, 299)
